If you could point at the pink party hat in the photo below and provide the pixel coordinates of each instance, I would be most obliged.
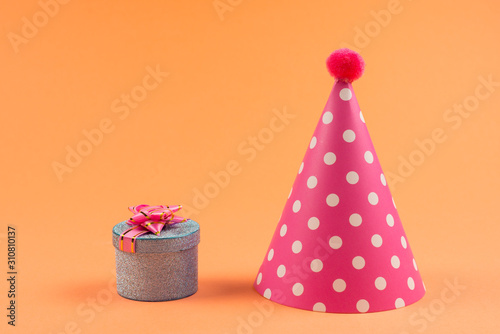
(340, 246)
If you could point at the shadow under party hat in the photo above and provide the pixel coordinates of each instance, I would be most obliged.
(340, 246)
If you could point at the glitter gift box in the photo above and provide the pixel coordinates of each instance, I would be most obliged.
(162, 266)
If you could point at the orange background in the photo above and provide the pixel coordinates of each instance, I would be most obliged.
(227, 73)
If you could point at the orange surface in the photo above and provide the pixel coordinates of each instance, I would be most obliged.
(229, 74)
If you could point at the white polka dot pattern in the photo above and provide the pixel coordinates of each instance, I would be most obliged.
(340, 245)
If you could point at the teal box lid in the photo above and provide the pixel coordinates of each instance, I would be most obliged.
(172, 238)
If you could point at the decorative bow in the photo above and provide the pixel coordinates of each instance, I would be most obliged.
(147, 219)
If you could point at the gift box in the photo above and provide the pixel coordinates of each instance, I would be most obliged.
(160, 265)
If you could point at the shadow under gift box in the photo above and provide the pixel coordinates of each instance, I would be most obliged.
(163, 267)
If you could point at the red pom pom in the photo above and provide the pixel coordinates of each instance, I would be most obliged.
(345, 65)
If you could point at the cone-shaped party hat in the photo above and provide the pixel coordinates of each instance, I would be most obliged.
(339, 245)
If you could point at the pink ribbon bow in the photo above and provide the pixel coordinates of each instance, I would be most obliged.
(147, 219)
